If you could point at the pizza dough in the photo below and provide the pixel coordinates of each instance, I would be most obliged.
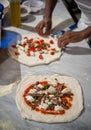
(32, 114)
(7, 89)
(35, 50)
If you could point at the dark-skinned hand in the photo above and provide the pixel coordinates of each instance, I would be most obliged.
(43, 27)
(69, 37)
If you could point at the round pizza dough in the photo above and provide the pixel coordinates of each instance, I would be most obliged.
(71, 114)
(34, 60)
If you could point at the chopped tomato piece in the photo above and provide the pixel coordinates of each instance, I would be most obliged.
(25, 37)
(41, 57)
(42, 41)
(51, 41)
(37, 42)
(53, 49)
(48, 45)
(44, 83)
(39, 48)
(69, 104)
(32, 48)
(14, 46)
(31, 39)
(28, 54)
(16, 53)
(71, 98)
(28, 49)
(24, 44)
(64, 99)
(62, 86)
(52, 53)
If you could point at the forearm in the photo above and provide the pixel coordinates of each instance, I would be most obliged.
(49, 7)
(86, 32)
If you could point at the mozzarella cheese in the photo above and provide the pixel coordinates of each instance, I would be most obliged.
(51, 89)
(57, 108)
(20, 47)
(66, 90)
(26, 48)
(30, 98)
(40, 92)
(40, 86)
(43, 105)
(54, 82)
(32, 91)
(49, 103)
(51, 96)
(46, 51)
(46, 101)
(32, 53)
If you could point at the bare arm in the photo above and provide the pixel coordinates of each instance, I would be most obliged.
(73, 37)
(87, 32)
(46, 23)
(49, 7)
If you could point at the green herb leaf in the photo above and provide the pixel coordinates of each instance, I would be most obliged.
(46, 86)
(56, 51)
(20, 44)
(43, 46)
(42, 52)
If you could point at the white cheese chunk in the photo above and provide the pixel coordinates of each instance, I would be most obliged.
(26, 48)
(46, 101)
(66, 90)
(55, 82)
(20, 47)
(40, 92)
(46, 51)
(51, 96)
(30, 98)
(51, 89)
(45, 91)
(43, 106)
(57, 108)
(49, 103)
(19, 42)
(32, 91)
(40, 86)
(25, 40)
(32, 53)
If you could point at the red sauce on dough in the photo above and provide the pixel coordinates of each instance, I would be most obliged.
(64, 99)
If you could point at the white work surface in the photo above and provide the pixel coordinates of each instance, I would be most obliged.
(60, 15)
(75, 62)
(61, 18)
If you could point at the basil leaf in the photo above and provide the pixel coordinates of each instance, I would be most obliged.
(46, 86)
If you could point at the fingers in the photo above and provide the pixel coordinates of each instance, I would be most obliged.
(62, 41)
(62, 44)
(43, 28)
(39, 28)
(65, 39)
(69, 37)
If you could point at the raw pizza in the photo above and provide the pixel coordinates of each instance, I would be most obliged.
(35, 50)
(49, 99)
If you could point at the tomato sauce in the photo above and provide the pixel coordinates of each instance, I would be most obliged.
(53, 112)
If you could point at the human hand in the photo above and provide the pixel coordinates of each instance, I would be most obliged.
(69, 37)
(44, 27)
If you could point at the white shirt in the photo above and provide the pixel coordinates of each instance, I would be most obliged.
(85, 7)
